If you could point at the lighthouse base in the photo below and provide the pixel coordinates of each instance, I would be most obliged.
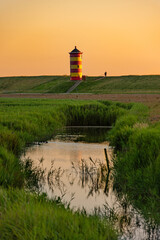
(75, 78)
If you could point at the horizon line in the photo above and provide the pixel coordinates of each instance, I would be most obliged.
(63, 75)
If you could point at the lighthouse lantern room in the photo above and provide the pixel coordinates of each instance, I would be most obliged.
(75, 64)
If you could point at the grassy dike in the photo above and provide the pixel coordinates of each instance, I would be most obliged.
(26, 215)
(99, 84)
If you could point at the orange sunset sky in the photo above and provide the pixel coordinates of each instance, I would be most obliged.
(117, 36)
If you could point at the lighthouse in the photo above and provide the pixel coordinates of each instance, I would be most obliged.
(75, 64)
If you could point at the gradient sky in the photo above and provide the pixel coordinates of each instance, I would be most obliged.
(118, 36)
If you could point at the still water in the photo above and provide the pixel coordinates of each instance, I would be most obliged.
(76, 171)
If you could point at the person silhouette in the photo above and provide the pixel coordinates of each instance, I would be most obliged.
(105, 74)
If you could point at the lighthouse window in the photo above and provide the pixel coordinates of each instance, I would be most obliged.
(77, 66)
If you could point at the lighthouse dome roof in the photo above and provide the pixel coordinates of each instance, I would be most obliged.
(75, 51)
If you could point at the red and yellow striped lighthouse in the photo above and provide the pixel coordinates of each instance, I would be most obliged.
(76, 64)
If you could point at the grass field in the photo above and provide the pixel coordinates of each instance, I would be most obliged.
(101, 85)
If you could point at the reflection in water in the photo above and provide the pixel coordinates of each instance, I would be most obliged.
(85, 134)
(77, 172)
(62, 160)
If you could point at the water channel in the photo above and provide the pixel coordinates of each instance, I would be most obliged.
(76, 171)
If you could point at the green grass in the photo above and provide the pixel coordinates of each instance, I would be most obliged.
(60, 84)
(11, 171)
(27, 216)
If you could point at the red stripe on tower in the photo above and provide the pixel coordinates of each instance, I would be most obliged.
(76, 62)
(76, 70)
(75, 54)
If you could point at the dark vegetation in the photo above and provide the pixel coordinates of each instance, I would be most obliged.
(136, 166)
(101, 85)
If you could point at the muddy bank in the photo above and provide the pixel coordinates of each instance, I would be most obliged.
(115, 97)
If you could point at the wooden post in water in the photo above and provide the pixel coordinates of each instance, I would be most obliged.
(107, 160)
(107, 179)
